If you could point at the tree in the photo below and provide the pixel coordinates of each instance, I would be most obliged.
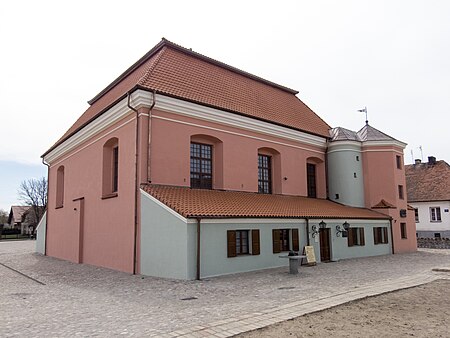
(3, 216)
(33, 192)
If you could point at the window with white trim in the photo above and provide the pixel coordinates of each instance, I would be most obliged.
(435, 214)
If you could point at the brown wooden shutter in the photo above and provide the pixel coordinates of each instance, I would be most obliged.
(276, 240)
(375, 236)
(385, 235)
(231, 243)
(295, 245)
(255, 242)
(361, 233)
(350, 237)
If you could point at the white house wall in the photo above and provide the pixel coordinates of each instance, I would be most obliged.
(167, 247)
(40, 234)
(426, 228)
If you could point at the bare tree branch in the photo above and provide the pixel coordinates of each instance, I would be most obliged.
(33, 192)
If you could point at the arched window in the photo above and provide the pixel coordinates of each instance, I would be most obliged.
(60, 187)
(312, 164)
(206, 164)
(269, 171)
(110, 175)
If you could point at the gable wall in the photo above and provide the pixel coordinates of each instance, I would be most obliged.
(108, 223)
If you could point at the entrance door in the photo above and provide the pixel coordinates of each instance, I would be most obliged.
(325, 245)
(80, 228)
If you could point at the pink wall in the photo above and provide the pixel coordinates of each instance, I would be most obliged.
(171, 156)
(108, 236)
(381, 181)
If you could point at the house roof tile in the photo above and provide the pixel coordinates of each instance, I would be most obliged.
(192, 203)
(383, 204)
(16, 213)
(428, 182)
(175, 71)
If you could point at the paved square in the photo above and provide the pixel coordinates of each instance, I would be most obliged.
(42, 296)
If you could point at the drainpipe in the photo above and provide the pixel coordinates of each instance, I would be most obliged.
(136, 183)
(326, 172)
(149, 153)
(198, 248)
(392, 235)
(46, 221)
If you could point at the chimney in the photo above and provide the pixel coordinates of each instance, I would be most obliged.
(431, 160)
(417, 161)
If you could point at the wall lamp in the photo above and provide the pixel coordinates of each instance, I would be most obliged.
(315, 229)
(340, 229)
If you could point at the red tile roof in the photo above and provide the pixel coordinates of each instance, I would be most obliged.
(175, 71)
(16, 213)
(383, 204)
(428, 182)
(192, 203)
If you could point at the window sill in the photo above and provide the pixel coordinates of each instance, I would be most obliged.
(59, 207)
(435, 221)
(112, 195)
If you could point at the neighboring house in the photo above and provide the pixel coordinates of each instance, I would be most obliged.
(21, 217)
(185, 167)
(429, 194)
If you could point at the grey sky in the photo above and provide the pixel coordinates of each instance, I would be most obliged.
(391, 56)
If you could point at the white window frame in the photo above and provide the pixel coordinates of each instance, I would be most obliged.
(434, 214)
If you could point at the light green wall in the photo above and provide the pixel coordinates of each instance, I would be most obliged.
(164, 242)
(339, 246)
(214, 260)
(342, 165)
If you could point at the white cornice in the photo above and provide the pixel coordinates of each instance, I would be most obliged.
(104, 121)
(394, 143)
(177, 106)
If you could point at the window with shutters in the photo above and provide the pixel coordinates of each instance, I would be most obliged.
(380, 235)
(435, 214)
(285, 240)
(264, 174)
(241, 242)
(238, 242)
(201, 166)
(416, 214)
(110, 177)
(60, 187)
(355, 237)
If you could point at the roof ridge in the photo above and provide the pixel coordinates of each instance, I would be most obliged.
(164, 42)
(149, 72)
(228, 67)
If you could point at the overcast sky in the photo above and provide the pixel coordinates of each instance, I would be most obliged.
(391, 56)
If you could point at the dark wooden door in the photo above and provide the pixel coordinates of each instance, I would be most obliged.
(325, 245)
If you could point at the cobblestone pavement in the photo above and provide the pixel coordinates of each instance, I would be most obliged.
(45, 297)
